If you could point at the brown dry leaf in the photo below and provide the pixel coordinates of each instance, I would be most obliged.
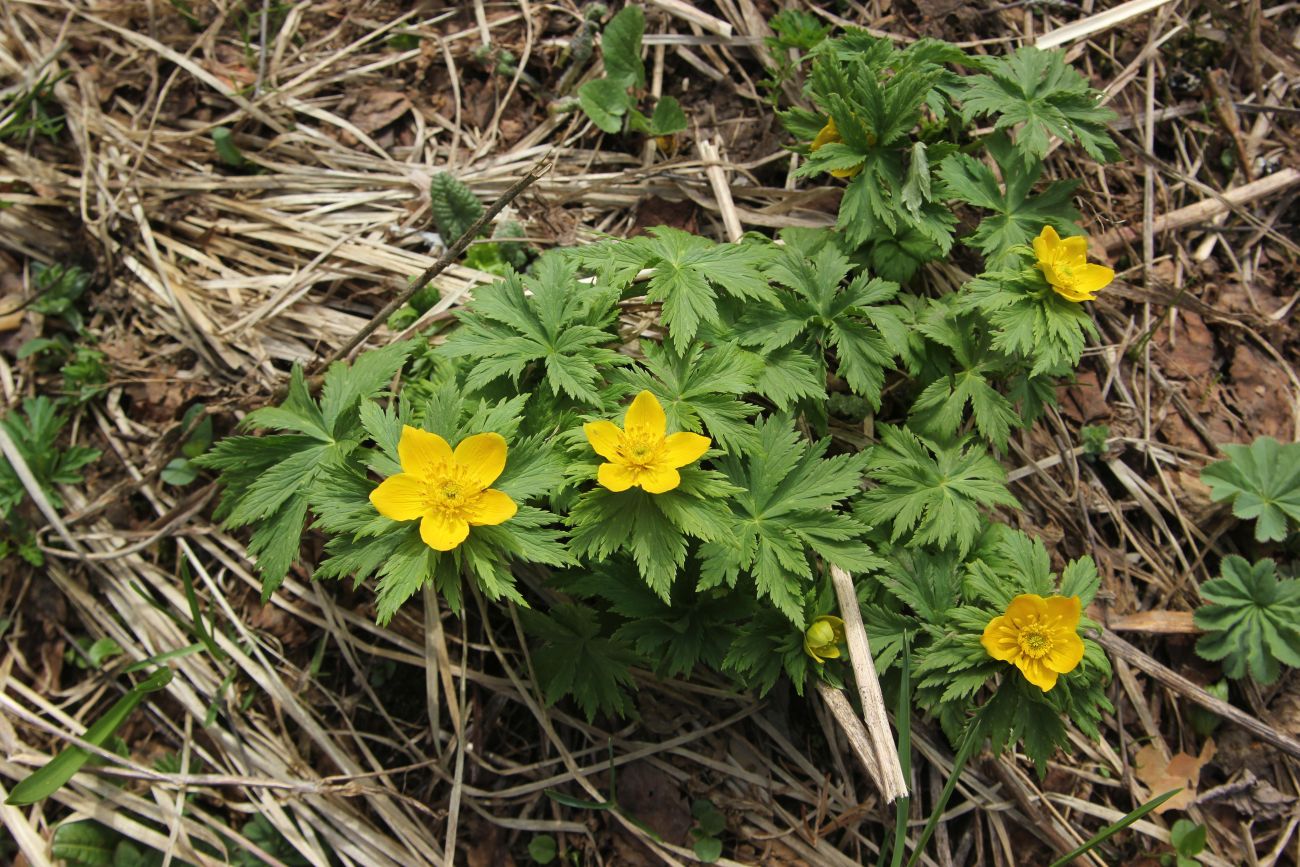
(1189, 351)
(1082, 402)
(1183, 771)
(372, 110)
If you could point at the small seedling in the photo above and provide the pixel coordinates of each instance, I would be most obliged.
(180, 470)
(1093, 439)
(709, 825)
(542, 849)
(1188, 840)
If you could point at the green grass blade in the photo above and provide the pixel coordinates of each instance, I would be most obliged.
(974, 735)
(903, 720)
(1110, 830)
(47, 780)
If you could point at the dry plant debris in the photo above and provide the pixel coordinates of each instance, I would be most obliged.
(426, 741)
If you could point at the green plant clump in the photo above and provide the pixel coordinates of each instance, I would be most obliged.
(676, 497)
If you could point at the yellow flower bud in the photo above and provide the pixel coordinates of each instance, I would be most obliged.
(824, 636)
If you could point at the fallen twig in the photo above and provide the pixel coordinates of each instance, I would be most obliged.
(891, 781)
(1189, 690)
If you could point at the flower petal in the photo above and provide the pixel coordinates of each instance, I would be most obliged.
(484, 455)
(1024, 607)
(421, 452)
(1059, 283)
(1046, 243)
(490, 508)
(1073, 250)
(604, 437)
(1036, 672)
(1072, 294)
(826, 135)
(659, 478)
(616, 477)
(441, 531)
(681, 449)
(646, 413)
(1066, 652)
(1063, 611)
(400, 497)
(829, 651)
(1001, 640)
(1093, 278)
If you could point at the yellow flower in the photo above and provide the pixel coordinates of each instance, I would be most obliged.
(448, 491)
(827, 135)
(1038, 636)
(640, 454)
(1065, 265)
(823, 638)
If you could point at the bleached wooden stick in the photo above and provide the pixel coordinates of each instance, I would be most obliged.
(856, 733)
(891, 780)
(710, 154)
(691, 14)
(1104, 20)
(1206, 208)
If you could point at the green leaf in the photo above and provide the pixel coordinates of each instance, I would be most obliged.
(84, 844)
(820, 311)
(633, 521)
(223, 141)
(606, 101)
(768, 644)
(1019, 215)
(550, 320)
(346, 385)
(1252, 621)
(784, 513)
(690, 271)
(668, 117)
(620, 46)
(1029, 320)
(1187, 838)
(573, 658)
(1035, 93)
(35, 433)
(930, 493)
(1262, 481)
(542, 849)
(409, 565)
(454, 207)
(694, 628)
(47, 780)
(708, 849)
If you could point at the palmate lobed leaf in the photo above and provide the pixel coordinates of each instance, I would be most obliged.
(551, 319)
(652, 528)
(820, 315)
(573, 657)
(1252, 621)
(782, 513)
(1018, 215)
(1262, 481)
(932, 493)
(1038, 94)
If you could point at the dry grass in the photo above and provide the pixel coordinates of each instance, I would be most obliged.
(396, 746)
